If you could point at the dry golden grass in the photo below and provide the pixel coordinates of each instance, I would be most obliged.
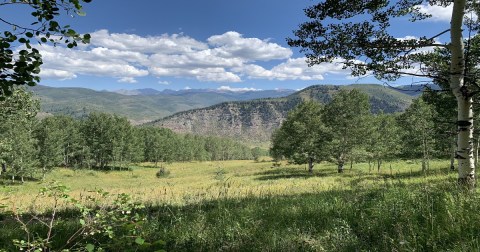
(193, 182)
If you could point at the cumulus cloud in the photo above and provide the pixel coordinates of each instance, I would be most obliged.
(56, 74)
(202, 74)
(233, 45)
(440, 13)
(232, 89)
(176, 43)
(225, 58)
(127, 80)
(98, 62)
(293, 69)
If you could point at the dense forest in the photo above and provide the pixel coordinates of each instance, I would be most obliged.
(33, 147)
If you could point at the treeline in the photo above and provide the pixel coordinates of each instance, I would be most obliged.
(30, 147)
(345, 131)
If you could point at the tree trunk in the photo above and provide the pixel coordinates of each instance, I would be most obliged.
(310, 165)
(424, 156)
(340, 166)
(477, 145)
(379, 164)
(464, 155)
(452, 158)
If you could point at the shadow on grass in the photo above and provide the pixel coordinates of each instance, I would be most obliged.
(7, 180)
(409, 217)
(286, 173)
(418, 173)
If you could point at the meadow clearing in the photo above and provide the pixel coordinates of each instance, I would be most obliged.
(252, 206)
(194, 182)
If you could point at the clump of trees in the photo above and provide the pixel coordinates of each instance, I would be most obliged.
(345, 130)
(30, 147)
(359, 36)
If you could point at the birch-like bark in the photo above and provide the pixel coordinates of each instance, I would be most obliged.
(477, 145)
(464, 155)
(454, 151)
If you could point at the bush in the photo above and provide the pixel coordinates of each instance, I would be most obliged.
(163, 172)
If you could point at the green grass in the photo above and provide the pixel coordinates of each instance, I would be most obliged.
(247, 206)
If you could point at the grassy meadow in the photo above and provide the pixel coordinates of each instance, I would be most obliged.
(251, 206)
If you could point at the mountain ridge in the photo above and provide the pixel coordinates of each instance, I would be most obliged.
(79, 102)
(254, 121)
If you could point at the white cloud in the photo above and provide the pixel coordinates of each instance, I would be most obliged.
(293, 69)
(176, 43)
(201, 59)
(202, 74)
(225, 58)
(164, 82)
(232, 89)
(233, 45)
(438, 13)
(127, 80)
(56, 74)
(98, 62)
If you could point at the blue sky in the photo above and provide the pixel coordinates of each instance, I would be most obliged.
(178, 44)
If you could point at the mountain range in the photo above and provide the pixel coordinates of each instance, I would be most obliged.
(254, 121)
(249, 116)
(139, 106)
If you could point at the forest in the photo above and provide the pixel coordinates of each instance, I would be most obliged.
(98, 141)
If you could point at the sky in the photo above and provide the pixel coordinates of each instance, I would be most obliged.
(196, 44)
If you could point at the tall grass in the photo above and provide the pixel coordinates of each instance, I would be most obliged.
(252, 207)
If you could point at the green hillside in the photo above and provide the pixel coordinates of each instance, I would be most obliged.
(79, 102)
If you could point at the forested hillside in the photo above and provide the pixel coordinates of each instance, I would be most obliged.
(138, 106)
(254, 121)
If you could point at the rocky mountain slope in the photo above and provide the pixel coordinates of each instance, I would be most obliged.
(254, 121)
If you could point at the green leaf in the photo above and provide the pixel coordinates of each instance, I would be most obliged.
(139, 241)
(82, 221)
(29, 34)
(90, 247)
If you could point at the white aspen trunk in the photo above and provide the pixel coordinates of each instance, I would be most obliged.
(452, 158)
(477, 145)
(464, 155)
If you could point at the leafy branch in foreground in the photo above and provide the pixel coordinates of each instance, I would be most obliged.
(357, 34)
(98, 226)
(21, 66)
